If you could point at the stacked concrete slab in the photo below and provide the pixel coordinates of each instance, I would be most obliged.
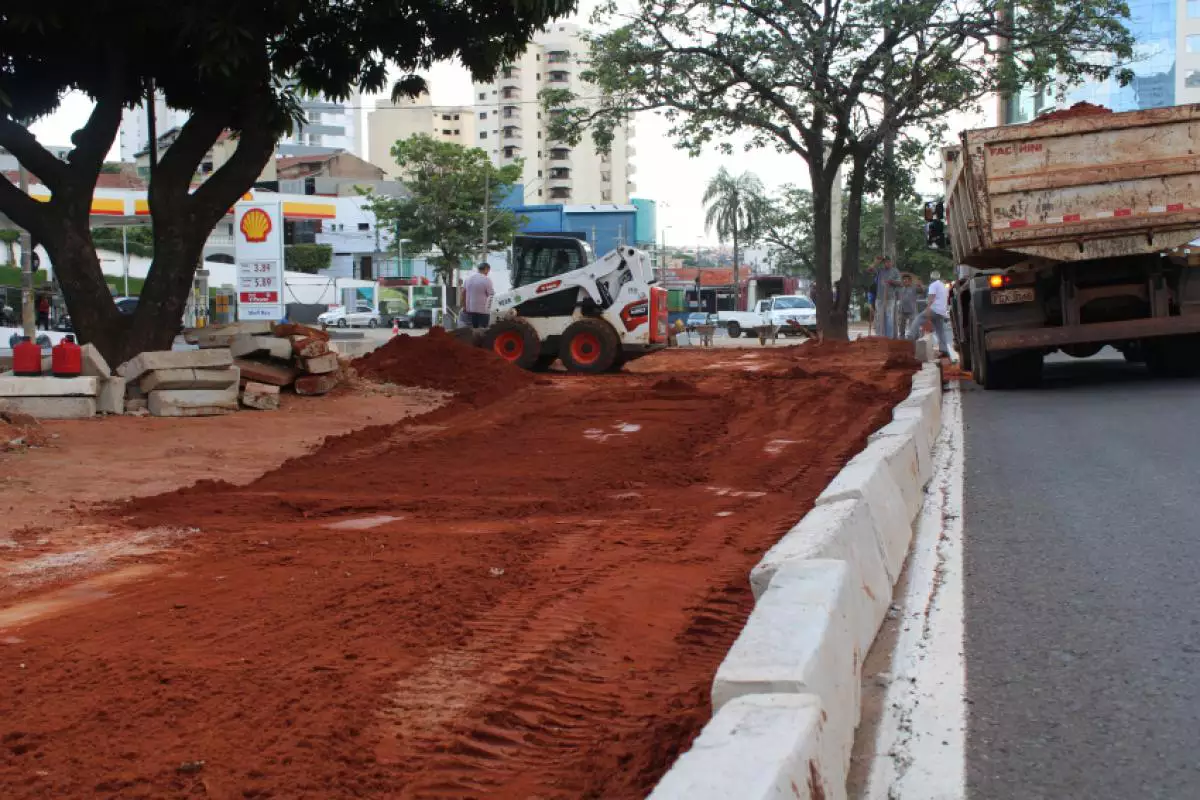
(96, 390)
(271, 358)
(786, 699)
(182, 383)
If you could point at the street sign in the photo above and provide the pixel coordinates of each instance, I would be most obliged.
(258, 250)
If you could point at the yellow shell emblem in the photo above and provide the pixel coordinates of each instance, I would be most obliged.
(256, 224)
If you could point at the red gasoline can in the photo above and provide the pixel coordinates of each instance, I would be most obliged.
(67, 358)
(27, 358)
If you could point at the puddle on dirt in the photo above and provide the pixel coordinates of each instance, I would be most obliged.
(363, 523)
(777, 446)
(65, 599)
(619, 430)
(723, 491)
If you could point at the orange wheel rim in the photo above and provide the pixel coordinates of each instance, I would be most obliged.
(585, 348)
(509, 345)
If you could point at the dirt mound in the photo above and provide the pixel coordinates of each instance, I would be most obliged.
(1083, 109)
(440, 361)
(674, 386)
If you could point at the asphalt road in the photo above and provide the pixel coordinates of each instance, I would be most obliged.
(1082, 587)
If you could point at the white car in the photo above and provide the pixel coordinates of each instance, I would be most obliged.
(794, 314)
(340, 317)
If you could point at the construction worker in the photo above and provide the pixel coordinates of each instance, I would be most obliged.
(477, 296)
(906, 306)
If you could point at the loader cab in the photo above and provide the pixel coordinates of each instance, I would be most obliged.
(536, 257)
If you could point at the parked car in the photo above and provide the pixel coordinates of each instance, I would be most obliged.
(126, 305)
(403, 320)
(422, 318)
(698, 318)
(341, 317)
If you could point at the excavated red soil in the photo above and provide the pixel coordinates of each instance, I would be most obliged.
(440, 361)
(522, 600)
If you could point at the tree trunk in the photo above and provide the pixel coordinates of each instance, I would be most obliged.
(889, 198)
(850, 249)
(737, 286)
(822, 216)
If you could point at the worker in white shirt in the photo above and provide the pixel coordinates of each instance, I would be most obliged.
(477, 296)
(937, 311)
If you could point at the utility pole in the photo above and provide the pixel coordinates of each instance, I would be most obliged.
(28, 320)
(152, 126)
(125, 257)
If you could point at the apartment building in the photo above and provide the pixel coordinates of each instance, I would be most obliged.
(392, 121)
(328, 125)
(510, 124)
(134, 133)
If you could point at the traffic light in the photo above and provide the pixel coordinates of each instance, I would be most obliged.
(935, 224)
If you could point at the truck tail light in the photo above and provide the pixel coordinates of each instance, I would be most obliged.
(996, 281)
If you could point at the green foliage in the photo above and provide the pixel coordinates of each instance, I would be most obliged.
(912, 253)
(139, 241)
(310, 258)
(11, 276)
(732, 205)
(111, 168)
(449, 185)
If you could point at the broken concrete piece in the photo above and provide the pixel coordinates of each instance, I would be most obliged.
(222, 335)
(308, 347)
(193, 402)
(260, 396)
(94, 364)
(316, 384)
(269, 345)
(52, 407)
(111, 399)
(321, 364)
(139, 365)
(160, 379)
(273, 374)
(137, 405)
(46, 386)
(296, 329)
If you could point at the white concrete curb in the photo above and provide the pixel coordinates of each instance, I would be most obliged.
(821, 594)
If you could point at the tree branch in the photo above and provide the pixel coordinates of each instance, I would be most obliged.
(17, 139)
(23, 209)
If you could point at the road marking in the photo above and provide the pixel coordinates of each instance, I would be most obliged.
(921, 738)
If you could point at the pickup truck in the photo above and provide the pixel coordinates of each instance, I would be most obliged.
(795, 314)
(1068, 231)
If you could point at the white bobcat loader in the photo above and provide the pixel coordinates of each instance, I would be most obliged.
(594, 315)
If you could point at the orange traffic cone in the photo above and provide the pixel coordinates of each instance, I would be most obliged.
(395, 327)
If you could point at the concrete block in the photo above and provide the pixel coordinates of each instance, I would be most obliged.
(111, 399)
(193, 402)
(94, 364)
(352, 348)
(914, 427)
(308, 346)
(260, 396)
(267, 345)
(928, 402)
(316, 384)
(922, 350)
(52, 407)
(841, 531)
(272, 374)
(800, 639)
(160, 379)
(757, 747)
(899, 453)
(871, 480)
(139, 365)
(289, 329)
(137, 405)
(321, 365)
(223, 335)
(47, 386)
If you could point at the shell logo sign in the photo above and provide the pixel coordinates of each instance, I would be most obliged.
(256, 225)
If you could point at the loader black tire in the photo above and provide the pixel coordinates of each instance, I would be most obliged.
(589, 346)
(514, 341)
(734, 330)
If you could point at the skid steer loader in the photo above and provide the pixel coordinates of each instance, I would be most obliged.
(593, 314)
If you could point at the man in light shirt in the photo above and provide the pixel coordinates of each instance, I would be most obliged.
(477, 296)
(937, 312)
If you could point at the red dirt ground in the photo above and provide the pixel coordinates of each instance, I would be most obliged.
(523, 600)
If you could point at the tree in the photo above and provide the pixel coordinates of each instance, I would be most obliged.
(237, 67)
(310, 258)
(829, 81)
(733, 207)
(449, 186)
(786, 227)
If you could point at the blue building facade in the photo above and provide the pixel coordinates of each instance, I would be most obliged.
(604, 225)
(1153, 24)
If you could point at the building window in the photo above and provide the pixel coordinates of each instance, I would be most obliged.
(559, 76)
(606, 177)
(1193, 43)
(537, 56)
(539, 195)
(1192, 79)
(539, 134)
(445, 131)
(560, 193)
(456, 130)
(558, 57)
(483, 96)
(539, 175)
(456, 117)
(482, 135)
(483, 115)
(606, 195)
(537, 76)
(539, 153)
(366, 226)
(446, 117)
(510, 152)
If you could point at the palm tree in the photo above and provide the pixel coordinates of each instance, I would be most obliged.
(733, 207)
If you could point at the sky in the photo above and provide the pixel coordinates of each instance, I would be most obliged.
(663, 172)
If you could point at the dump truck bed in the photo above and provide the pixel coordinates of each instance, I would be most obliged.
(1075, 188)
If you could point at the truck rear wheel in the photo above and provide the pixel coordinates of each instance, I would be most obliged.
(1174, 357)
(734, 330)
(514, 341)
(590, 346)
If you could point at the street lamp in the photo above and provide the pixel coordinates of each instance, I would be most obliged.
(662, 248)
(400, 260)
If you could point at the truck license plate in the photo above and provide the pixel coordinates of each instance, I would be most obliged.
(1006, 296)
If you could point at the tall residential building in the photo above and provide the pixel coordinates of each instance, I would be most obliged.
(510, 124)
(1166, 66)
(134, 135)
(392, 121)
(329, 125)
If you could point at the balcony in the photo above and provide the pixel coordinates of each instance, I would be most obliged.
(511, 132)
(510, 93)
(559, 76)
(512, 112)
(630, 169)
(560, 193)
(560, 154)
(511, 151)
(558, 57)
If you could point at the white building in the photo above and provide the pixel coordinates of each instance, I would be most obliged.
(329, 125)
(511, 124)
(391, 122)
(134, 136)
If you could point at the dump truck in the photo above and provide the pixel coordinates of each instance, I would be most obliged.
(1071, 233)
